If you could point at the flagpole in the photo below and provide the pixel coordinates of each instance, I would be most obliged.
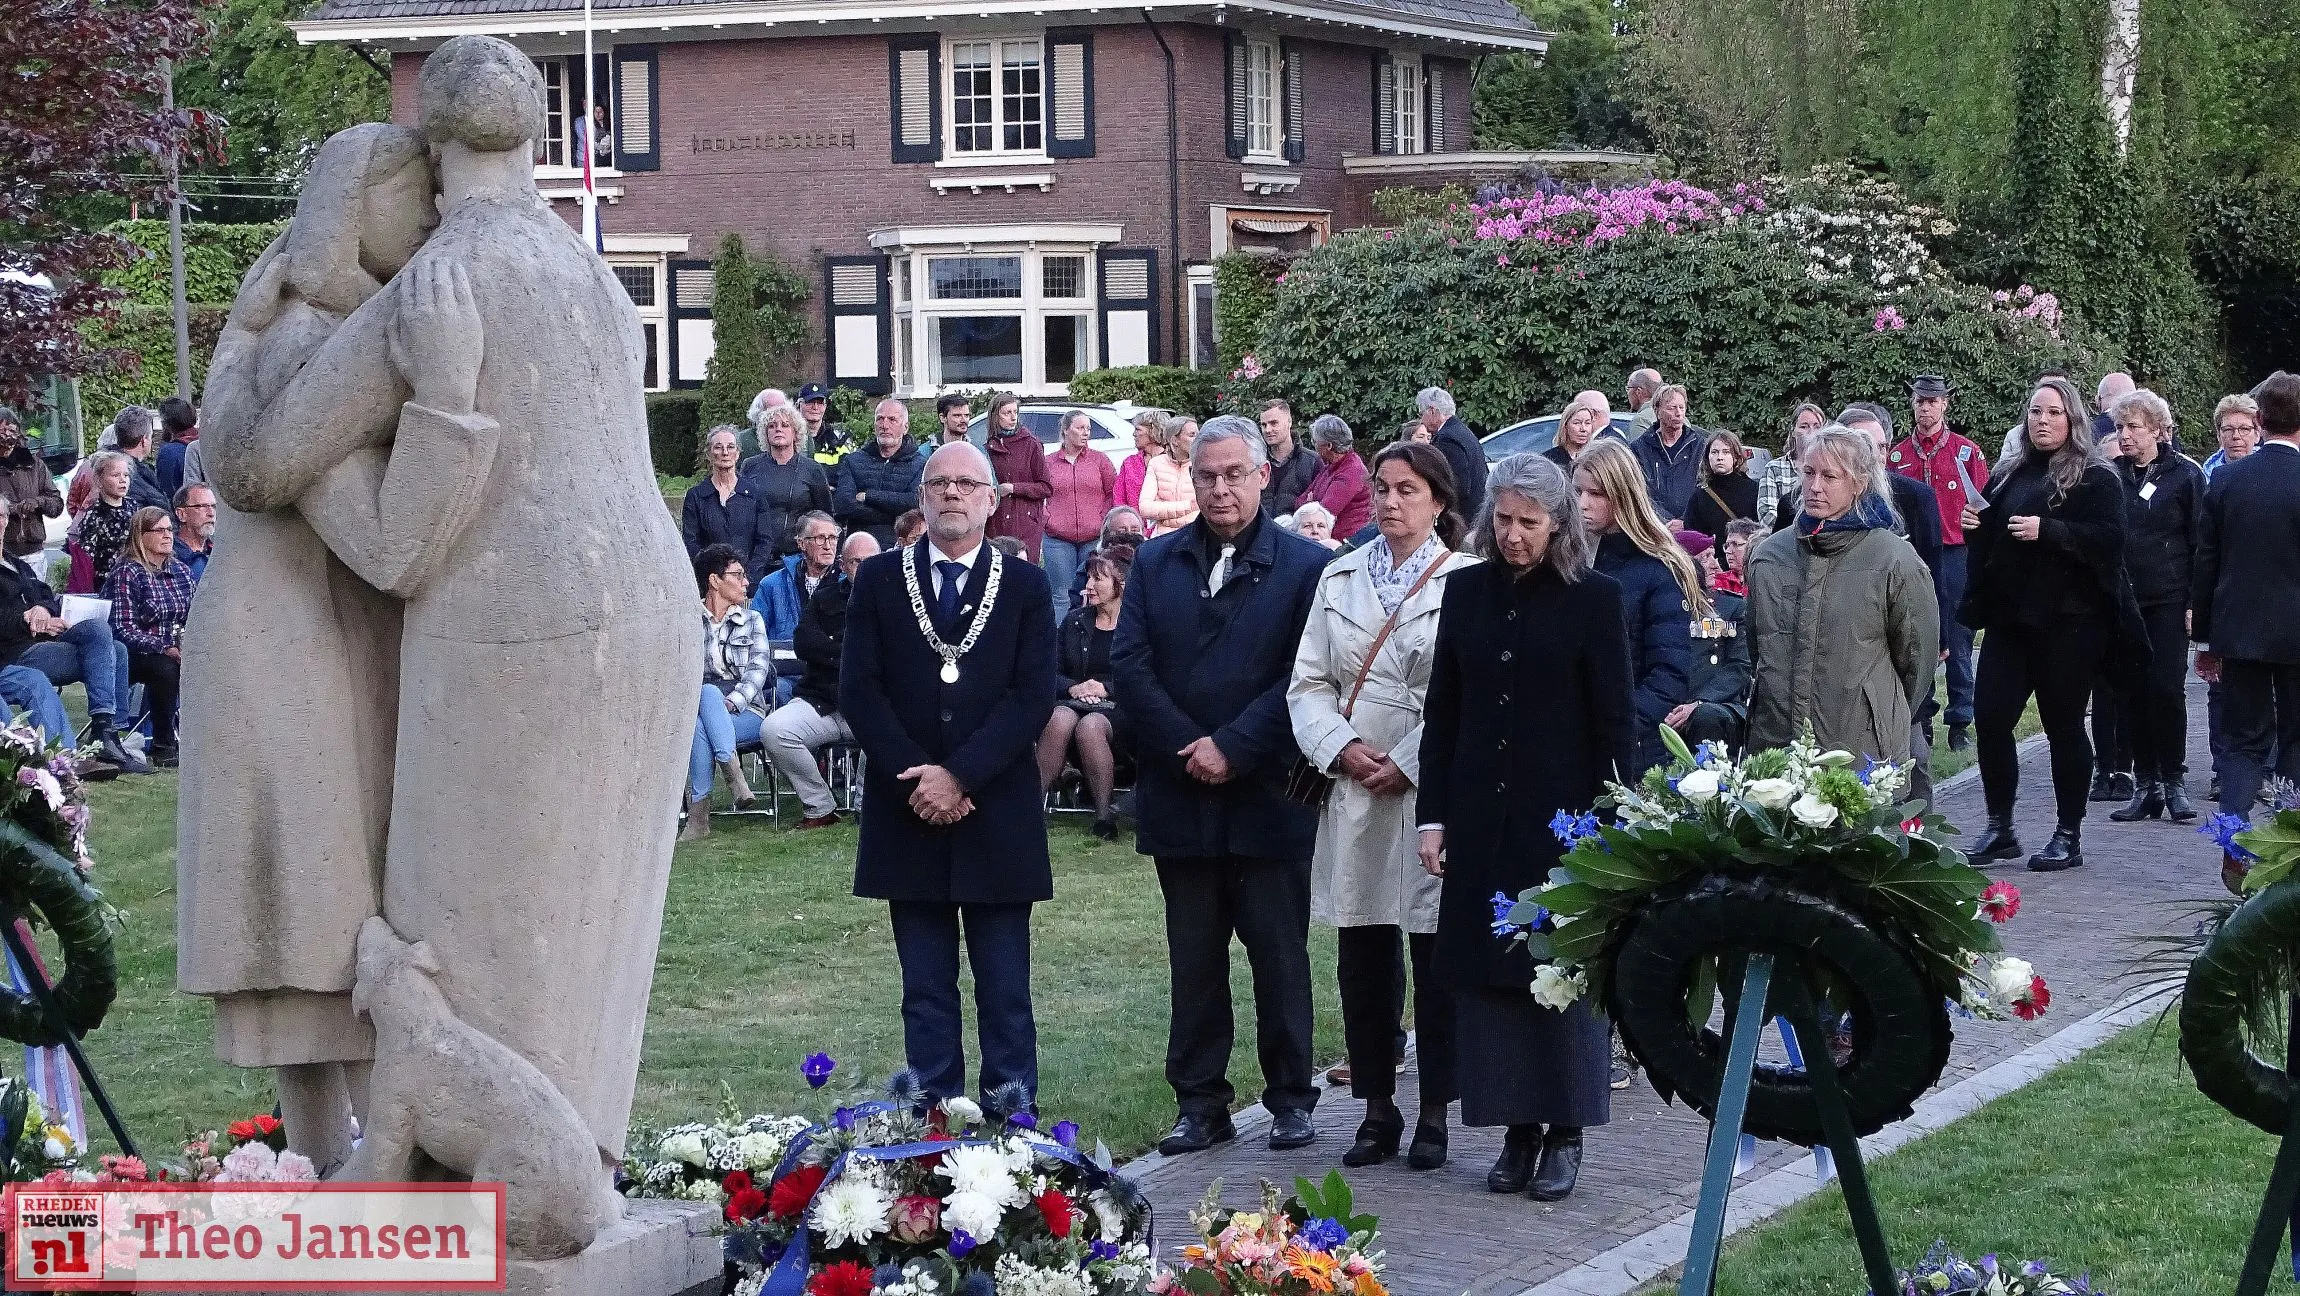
(590, 132)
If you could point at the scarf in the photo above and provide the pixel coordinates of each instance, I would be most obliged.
(1392, 582)
(1870, 514)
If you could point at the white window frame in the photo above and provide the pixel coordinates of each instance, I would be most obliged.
(656, 318)
(1409, 100)
(1265, 99)
(998, 118)
(917, 362)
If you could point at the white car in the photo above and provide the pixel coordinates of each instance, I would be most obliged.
(1113, 427)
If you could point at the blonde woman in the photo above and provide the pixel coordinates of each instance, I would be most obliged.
(1583, 419)
(1661, 593)
(1169, 502)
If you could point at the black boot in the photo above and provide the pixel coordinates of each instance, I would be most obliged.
(107, 740)
(2147, 803)
(1999, 842)
(1959, 738)
(1377, 1134)
(1560, 1165)
(2102, 788)
(1428, 1151)
(2120, 787)
(2176, 804)
(1519, 1150)
(2064, 851)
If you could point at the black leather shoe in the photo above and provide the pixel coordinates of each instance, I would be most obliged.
(1428, 1150)
(1560, 1166)
(2120, 786)
(2064, 851)
(1519, 1150)
(1378, 1135)
(1196, 1133)
(1291, 1128)
(1959, 738)
(2177, 807)
(1998, 842)
(108, 742)
(2102, 789)
(1106, 827)
(164, 757)
(2147, 803)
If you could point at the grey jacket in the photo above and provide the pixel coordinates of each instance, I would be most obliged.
(1846, 632)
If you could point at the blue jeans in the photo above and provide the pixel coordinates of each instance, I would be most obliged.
(30, 690)
(1063, 558)
(1956, 636)
(85, 654)
(717, 733)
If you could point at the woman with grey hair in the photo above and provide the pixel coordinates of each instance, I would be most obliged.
(1312, 522)
(1844, 624)
(1341, 483)
(2163, 510)
(1530, 688)
(2045, 562)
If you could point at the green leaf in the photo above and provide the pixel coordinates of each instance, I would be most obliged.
(1200, 1282)
(1675, 742)
(1628, 866)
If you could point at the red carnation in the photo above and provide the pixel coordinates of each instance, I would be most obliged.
(735, 1182)
(1057, 1211)
(793, 1191)
(2000, 902)
(744, 1204)
(846, 1278)
(2031, 1006)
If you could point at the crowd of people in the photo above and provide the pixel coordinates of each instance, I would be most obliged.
(1353, 689)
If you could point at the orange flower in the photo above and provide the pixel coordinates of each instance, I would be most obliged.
(1315, 1268)
(1368, 1285)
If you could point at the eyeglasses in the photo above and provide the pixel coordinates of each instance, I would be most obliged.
(1234, 478)
(959, 486)
(818, 539)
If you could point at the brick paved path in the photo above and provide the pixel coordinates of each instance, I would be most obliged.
(1445, 1234)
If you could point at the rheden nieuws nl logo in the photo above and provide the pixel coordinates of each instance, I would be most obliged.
(254, 1237)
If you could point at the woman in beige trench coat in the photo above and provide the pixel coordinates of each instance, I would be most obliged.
(1366, 879)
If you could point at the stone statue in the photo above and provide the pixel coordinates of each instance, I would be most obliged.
(466, 442)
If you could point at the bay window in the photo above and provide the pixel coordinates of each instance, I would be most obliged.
(1019, 317)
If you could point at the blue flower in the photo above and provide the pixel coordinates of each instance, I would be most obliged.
(1066, 1133)
(817, 1068)
(1322, 1235)
(1709, 751)
(2222, 829)
(1565, 827)
(1023, 1119)
(1101, 1250)
(1585, 826)
(961, 1244)
(977, 1284)
(1502, 904)
(886, 1275)
(844, 1118)
(1868, 764)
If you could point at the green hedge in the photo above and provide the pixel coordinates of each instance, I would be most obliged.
(1166, 387)
(1245, 289)
(673, 431)
(149, 333)
(216, 258)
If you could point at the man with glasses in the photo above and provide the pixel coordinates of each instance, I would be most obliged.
(195, 527)
(946, 679)
(1203, 654)
(784, 591)
(810, 720)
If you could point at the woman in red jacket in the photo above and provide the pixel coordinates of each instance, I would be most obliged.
(1341, 483)
(1020, 463)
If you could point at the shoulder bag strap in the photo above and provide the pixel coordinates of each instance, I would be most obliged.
(1722, 506)
(1366, 667)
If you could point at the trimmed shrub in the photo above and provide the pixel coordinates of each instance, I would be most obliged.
(674, 438)
(1245, 288)
(216, 259)
(150, 333)
(1166, 387)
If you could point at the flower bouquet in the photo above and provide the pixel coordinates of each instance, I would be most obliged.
(1794, 849)
(2235, 1004)
(44, 872)
(1942, 1273)
(908, 1196)
(2254, 858)
(1309, 1244)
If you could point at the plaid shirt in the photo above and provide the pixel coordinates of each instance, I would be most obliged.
(148, 608)
(1779, 481)
(738, 657)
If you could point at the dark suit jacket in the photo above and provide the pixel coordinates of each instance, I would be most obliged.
(1466, 457)
(983, 729)
(1187, 666)
(2247, 585)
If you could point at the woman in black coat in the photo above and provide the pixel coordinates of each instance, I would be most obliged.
(723, 508)
(787, 482)
(2163, 510)
(1529, 713)
(2045, 564)
(1661, 594)
(1086, 717)
(1726, 492)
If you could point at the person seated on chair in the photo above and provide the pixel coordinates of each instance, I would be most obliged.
(82, 654)
(783, 592)
(1718, 709)
(811, 721)
(1120, 526)
(737, 665)
(1085, 714)
(25, 689)
(151, 595)
(908, 528)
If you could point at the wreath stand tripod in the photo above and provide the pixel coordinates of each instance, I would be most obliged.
(19, 950)
(1774, 985)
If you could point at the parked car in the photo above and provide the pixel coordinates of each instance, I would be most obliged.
(1113, 427)
(1534, 435)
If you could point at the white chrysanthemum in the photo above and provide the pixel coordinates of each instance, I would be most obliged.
(248, 1163)
(1109, 1220)
(983, 1170)
(294, 1167)
(977, 1213)
(852, 1209)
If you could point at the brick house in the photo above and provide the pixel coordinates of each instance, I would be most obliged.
(993, 192)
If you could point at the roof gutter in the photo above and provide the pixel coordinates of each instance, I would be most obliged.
(1174, 302)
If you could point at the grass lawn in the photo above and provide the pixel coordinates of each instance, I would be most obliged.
(2114, 1164)
(765, 958)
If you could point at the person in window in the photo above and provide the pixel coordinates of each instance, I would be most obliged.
(151, 594)
(738, 666)
(879, 483)
(723, 508)
(1168, 502)
(1585, 418)
(1018, 462)
(787, 484)
(1726, 493)
(103, 527)
(1660, 590)
(1341, 483)
(1086, 718)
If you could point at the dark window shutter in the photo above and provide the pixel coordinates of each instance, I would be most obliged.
(690, 345)
(858, 319)
(1290, 97)
(1385, 103)
(1129, 302)
(638, 98)
(914, 96)
(1234, 93)
(1433, 106)
(1070, 92)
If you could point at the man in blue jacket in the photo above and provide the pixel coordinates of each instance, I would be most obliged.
(946, 679)
(1204, 650)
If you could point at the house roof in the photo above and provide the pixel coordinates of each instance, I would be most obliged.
(1485, 23)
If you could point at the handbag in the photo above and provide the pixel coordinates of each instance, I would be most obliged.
(1306, 784)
